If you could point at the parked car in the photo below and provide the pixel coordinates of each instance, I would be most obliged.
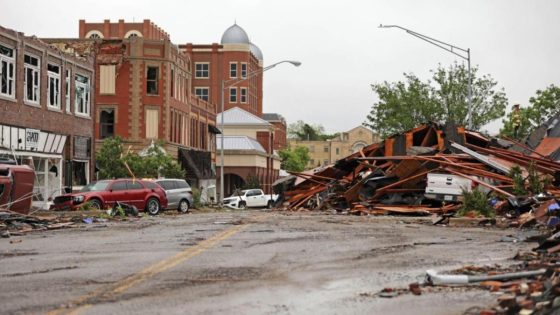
(250, 198)
(144, 195)
(179, 194)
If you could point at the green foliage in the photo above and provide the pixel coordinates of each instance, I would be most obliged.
(516, 174)
(405, 105)
(153, 163)
(252, 182)
(536, 186)
(86, 206)
(544, 105)
(196, 198)
(306, 132)
(477, 201)
(294, 160)
(109, 159)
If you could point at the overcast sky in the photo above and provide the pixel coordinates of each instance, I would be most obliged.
(339, 43)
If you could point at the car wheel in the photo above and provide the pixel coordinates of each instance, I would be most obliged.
(153, 206)
(269, 204)
(242, 205)
(96, 204)
(184, 206)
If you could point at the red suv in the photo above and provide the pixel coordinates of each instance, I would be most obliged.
(103, 194)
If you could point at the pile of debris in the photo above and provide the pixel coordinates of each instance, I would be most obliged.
(16, 224)
(429, 170)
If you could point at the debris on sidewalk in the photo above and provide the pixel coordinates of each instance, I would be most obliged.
(15, 224)
(435, 170)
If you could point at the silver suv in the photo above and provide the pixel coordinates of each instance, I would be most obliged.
(179, 194)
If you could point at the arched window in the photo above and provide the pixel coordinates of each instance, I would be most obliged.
(131, 34)
(358, 146)
(94, 35)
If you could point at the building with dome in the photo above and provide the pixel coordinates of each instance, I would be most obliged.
(233, 60)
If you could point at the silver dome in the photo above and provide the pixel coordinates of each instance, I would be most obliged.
(256, 51)
(235, 35)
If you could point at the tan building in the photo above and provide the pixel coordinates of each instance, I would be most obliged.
(329, 151)
(248, 150)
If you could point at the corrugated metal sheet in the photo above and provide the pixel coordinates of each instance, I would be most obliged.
(238, 116)
(239, 143)
(548, 147)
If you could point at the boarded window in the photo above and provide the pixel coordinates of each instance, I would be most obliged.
(107, 79)
(152, 123)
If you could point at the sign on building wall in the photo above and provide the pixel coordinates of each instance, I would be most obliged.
(32, 139)
(82, 147)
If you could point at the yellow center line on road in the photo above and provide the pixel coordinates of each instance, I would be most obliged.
(86, 301)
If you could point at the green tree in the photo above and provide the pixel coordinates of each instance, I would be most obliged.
(294, 160)
(153, 163)
(109, 159)
(543, 106)
(301, 130)
(405, 104)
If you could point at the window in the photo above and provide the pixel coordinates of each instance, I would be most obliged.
(120, 185)
(173, 88)
(134, 184)
(152, 81)
(202, 92)
(243, 96)
(7, 72)
(31, 79)
(311, 148)
(202, 70)
(312, 162)
(167, 184)
(53, 88)
(337, 151)
(325, 162)
(67, 91)
(82, 102)
(107, 79)
(233, 95)
(326, 149)
(107, 123)
(233, 69)
(94, 36)
(152, 123)
(244, 70)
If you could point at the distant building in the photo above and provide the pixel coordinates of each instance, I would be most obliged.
(46, 113)
(327, 152)
(248, 150)
(279, 123)
(144, 94)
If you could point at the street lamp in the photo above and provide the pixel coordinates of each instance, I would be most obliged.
(226, 84)
(452, 49)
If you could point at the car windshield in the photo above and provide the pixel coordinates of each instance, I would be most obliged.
(95, 186)
(239, 193)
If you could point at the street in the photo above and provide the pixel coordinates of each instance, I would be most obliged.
(244, 262)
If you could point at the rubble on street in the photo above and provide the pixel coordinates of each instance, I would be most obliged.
(431, 169)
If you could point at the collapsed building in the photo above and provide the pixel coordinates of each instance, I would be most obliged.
(424, 170)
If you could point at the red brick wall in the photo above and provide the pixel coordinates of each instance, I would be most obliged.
(148, 29)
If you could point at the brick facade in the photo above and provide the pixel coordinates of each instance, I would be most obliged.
(64, 117)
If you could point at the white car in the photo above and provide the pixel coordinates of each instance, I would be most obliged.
(250, 198)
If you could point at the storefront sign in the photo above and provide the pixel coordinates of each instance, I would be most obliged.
(32, 139)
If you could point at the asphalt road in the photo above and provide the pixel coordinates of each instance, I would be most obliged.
(247, 262)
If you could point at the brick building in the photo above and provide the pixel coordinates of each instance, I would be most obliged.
(144, 94)
(280, 130)
(330, 151)
(46, 112)
(233, 60)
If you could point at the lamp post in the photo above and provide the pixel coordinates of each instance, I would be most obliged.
(452, 49)
(226, 84)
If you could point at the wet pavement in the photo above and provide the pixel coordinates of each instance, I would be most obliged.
(245, 262)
